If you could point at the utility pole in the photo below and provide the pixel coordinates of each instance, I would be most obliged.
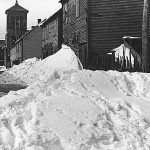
(145, 38)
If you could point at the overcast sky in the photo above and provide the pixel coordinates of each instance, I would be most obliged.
(38, 9)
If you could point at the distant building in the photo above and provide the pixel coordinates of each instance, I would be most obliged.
(2, 44)
(92, 28)
(28, 46)
(52, 34)
(16, 27)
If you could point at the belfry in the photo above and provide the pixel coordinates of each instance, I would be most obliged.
(16, 26)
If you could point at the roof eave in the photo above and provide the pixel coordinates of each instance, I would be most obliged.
(63, 1)
(51, 17)
(15, 7)
(6, 12)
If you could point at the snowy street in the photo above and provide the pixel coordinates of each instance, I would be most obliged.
(66, 107)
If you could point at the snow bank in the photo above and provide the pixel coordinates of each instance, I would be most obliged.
(137, 84)
(72, 110)
(66, 108)
(29, 71)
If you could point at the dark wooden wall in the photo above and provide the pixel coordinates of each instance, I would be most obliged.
(110, 20)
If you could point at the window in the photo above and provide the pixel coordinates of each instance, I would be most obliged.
(19, 49)
(42, 34)
(77, 9)
(17, 22)
(65, 13)
(13, 22)
(75, 39)
(45, 33)
(24, 25)
(13, 40)
(21, 22)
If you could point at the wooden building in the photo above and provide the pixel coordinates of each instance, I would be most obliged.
(2, 46)
(75, 27)
(52, 34)
(28, 46)
(92, 28)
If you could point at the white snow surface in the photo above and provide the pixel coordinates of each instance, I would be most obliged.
(66, 108)
(30, 70)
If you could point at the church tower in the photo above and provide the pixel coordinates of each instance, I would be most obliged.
(16, 25)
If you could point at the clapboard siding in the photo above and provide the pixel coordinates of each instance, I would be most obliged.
(111, 20)
(75, 26)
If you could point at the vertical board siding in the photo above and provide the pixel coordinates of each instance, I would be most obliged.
(111, 20)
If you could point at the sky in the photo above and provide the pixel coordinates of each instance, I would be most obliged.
(38, 9)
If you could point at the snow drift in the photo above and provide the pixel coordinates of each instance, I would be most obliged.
(73, 109)
(30, 70)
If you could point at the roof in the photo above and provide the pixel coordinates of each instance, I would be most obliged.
(63, 1)
(51, 17)
(16, 7)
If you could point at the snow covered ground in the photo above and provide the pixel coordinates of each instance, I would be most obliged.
(2, 68)
(67, 108)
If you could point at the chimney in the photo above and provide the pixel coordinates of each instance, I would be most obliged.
(32, 27)
(39, 20)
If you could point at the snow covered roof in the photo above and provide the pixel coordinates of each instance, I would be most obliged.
(135, 43)
(63, 1)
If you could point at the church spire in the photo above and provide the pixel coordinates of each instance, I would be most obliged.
(16, 2)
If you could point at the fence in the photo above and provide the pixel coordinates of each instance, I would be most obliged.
(101, 61)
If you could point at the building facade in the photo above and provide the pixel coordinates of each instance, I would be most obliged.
(75, 27)
(93, 28)
(28, 46)
(52, 34)
(2, 47)
(16, 27)
(109, 21)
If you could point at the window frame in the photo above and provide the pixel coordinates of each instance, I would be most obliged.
(77, 4)
(65, 12)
